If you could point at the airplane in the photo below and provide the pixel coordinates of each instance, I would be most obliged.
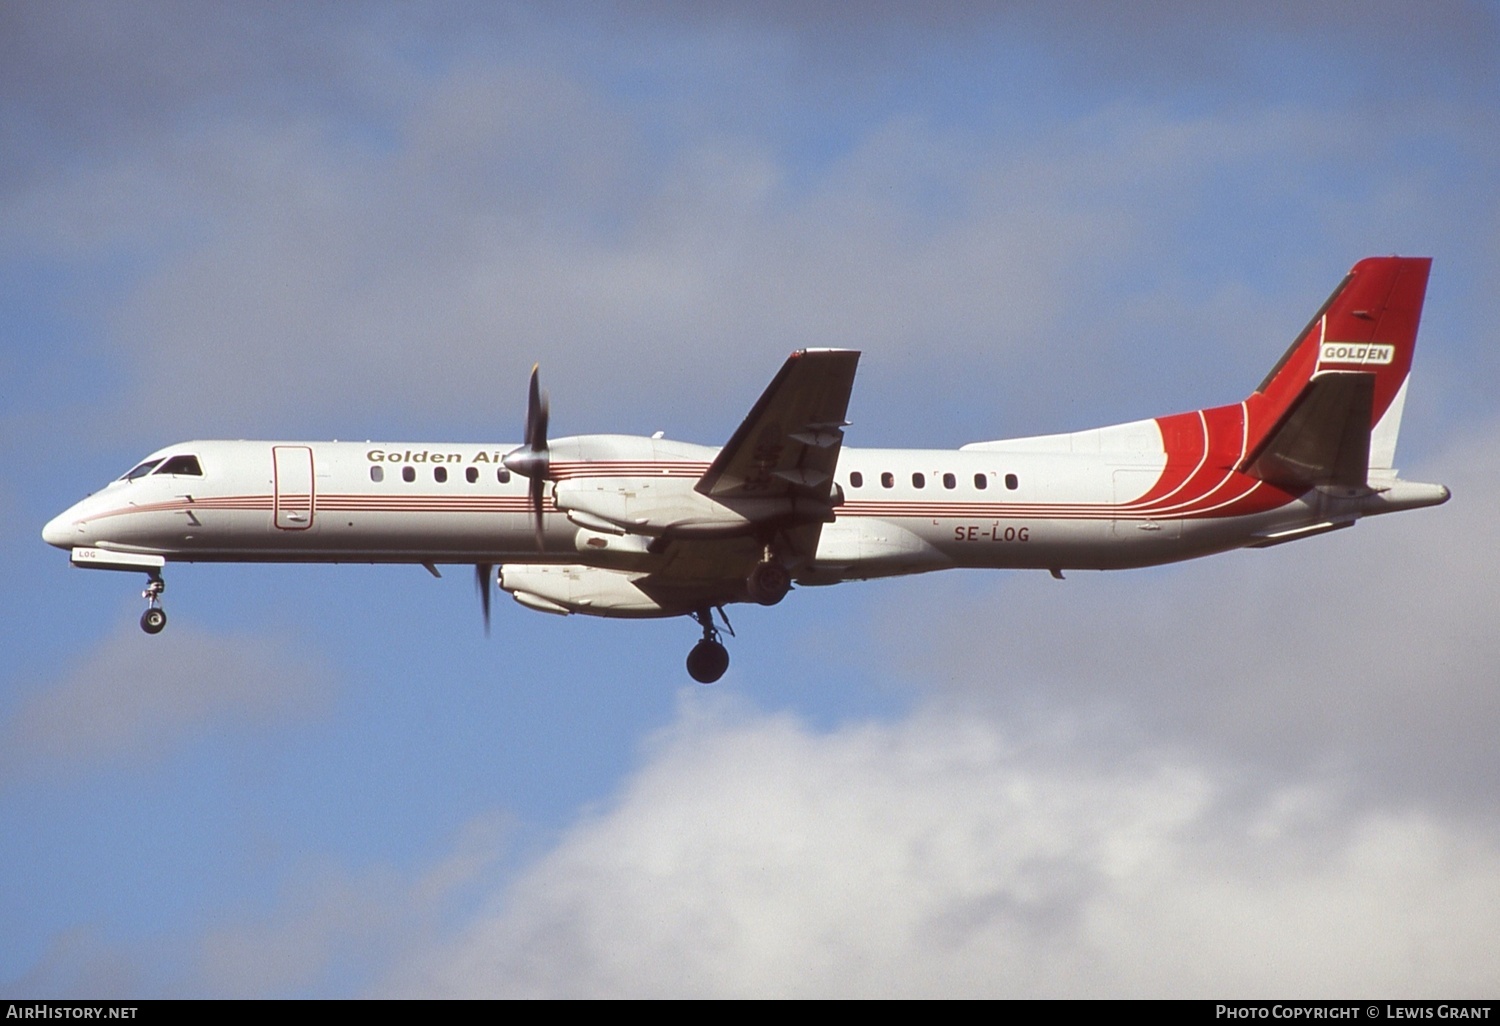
(627, 526)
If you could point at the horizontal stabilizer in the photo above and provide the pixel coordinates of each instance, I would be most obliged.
(1266, 541)
(1323, 438)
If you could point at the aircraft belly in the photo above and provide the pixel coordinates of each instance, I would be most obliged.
(388, 536)
(860, 547)
(1077, 542)
(1030, 543)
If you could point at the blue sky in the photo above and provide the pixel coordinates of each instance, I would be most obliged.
(1269, 772)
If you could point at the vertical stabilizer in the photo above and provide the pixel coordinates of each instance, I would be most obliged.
(1330, 410)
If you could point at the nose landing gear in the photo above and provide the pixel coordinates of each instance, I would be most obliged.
(154, 618)
(709, 658)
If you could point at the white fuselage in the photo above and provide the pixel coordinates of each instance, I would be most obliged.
(624, 526)
(1060, 502)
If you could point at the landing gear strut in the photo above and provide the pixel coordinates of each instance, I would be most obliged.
(154, 618)
(709, 658)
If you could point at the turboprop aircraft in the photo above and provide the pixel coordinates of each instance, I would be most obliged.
(624, 526)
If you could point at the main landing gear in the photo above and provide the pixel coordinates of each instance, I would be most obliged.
(709, 658)
(769, 582)
(154, 618)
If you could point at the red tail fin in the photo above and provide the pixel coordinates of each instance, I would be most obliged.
(1358, 348)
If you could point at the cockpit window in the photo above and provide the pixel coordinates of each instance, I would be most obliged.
(181, 465)
(140, 471)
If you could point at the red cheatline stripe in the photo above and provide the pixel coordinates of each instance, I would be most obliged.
(685, 464)
(1195, 482)
(1241, 498)
(411, 504)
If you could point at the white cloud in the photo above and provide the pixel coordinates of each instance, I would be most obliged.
(1369, 653)
(1263, 774)
(946, 856)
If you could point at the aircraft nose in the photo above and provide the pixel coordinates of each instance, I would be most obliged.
(62, 531)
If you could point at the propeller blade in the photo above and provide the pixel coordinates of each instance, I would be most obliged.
(537, 413)
(483, 574)
(532, 460)
(538, 489)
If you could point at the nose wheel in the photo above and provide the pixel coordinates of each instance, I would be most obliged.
(709, 658)
(154, 618)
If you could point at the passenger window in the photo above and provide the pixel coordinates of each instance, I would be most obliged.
(377, 473)
(472, 475)
(949, 481)
(919, 481)
(981, 482)
(440, 474)
(408, 474)
(887, 480)
(856, 480)
(187, 465)
(503, 476)
(1012, 482)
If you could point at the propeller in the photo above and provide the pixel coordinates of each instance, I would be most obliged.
(484, 573)
(532, 460)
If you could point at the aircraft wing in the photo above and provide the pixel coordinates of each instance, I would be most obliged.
(788, 445)
(698, 572)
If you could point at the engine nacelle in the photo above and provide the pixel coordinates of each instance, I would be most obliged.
(647, 506)
(671, 508)
(580, 589)
(610, 484)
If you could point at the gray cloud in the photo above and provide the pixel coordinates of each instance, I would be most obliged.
(328, 930)
(330, 925)
(293, 273)
(80, 961)
(136, 698)
(348, 229)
